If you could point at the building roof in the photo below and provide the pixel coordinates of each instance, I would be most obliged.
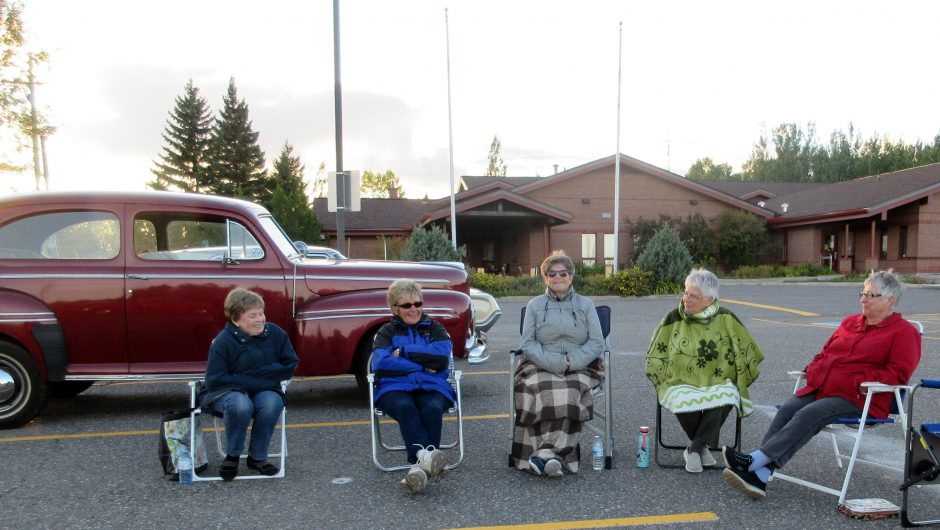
(856, 198)
(471, 182)
(382, 215)
(746, 189)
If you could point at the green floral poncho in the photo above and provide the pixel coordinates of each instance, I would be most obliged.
(703, 361)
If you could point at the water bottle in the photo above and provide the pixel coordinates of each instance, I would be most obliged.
(185, 464)
(643, 448)
(597, 454)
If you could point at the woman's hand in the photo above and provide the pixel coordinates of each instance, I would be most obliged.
(395, 352)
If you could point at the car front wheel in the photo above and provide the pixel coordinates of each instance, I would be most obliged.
(22, 392)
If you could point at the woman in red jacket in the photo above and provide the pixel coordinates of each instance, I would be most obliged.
(877, 345)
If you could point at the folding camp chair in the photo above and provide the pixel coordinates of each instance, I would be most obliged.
(377, 414)
(922, 455)
(665, 445)
(601, 391)
(857, 429)
(195, 387)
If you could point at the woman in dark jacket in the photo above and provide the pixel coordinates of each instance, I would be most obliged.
(247, 362)
(411, 360)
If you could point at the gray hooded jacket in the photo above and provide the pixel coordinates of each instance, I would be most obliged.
(561, 334)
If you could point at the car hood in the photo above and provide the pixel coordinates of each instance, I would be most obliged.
(326, 277)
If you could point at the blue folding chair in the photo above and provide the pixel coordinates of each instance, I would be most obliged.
(921, 455)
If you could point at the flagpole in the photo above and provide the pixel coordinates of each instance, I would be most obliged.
(617, 161)
(450, 134)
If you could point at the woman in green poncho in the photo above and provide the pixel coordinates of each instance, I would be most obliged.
(702, 360)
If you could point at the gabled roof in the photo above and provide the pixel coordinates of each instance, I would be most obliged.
(649, 169)
(858, 198)
(470, 200)
(747, 190)
(381, 215)
(471, 182)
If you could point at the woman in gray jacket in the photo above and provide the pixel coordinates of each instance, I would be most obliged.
(561, 347)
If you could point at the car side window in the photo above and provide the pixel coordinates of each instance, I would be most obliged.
(165, 237)
(62, 235)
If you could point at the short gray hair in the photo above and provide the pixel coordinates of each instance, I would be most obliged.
(887, 283)
(401, 288)
(558, 256)
(705, 281)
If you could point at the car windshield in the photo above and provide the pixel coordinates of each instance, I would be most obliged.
(278, 237)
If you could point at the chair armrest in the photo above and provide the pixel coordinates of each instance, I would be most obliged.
(796, 374)
(876, 387)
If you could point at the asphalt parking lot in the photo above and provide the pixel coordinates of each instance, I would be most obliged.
(90, 461)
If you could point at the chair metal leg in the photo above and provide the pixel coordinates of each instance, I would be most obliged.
(661, 443)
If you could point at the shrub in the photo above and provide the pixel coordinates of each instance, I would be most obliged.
(503, 285)
(431, 245)
(666, 256)
(632, 282)
(742, 239)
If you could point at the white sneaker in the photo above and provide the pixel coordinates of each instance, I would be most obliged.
(693, 463)
(553, 468)
(415, 481)
(432, 461)
(706, 457)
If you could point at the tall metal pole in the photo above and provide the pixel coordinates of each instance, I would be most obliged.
(338, 99)
(450, 134)
(617, 161)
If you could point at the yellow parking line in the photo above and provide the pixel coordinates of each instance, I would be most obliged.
(210, 429)
(812, 325)
(607, 523)
(772, 307)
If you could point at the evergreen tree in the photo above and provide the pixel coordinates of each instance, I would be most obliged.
(666, 256)
(183, 163)
(496, 167)
(431, 245)
(288, 202)
(236, 162)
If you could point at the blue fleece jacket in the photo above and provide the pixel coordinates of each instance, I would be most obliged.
(422, 347)
(242, 363)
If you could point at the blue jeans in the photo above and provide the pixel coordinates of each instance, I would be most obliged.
(238, 410)
(798, 420)
(419, 415)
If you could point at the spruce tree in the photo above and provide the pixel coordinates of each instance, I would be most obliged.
(182, 165)
(288, 202)
(666, 256)
(236, 162)
(431, 245)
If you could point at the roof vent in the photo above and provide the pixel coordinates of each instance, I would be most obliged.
(761, 203)
(785, 207)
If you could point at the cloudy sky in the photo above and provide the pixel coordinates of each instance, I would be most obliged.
(699, 79)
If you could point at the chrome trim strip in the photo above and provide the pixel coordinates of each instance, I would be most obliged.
(328, 317)
(57, 276)
(374, 279)
(138, 276)
(50, 320)
(45, 314)
(135, 377)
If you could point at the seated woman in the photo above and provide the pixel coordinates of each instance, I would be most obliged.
(702, 360)
(247, 362)
(411, 362)
(561, 346)
(876, 346)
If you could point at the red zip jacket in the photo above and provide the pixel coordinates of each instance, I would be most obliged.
(887, 352)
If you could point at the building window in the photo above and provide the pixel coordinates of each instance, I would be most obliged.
(609, 246)
(884, 245)
(902, 242)
(850, 244)
(588, 248)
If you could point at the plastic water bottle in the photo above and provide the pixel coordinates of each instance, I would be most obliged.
(597, 454)
(185, 466)
(643, 448)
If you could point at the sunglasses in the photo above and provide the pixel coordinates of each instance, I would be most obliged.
(562, 273)
(409, 304)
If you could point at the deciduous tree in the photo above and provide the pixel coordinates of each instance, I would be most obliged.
(496, 167)
(381, 185)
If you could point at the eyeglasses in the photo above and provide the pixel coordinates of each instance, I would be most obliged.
(409, 304)
(690, 296)
(562, 273)
(869, 296)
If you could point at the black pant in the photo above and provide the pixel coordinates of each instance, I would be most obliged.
(703, 427)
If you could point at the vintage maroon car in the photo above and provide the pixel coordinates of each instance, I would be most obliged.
(129, 286)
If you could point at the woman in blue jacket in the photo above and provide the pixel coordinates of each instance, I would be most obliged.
(247, 362)
(411, 359)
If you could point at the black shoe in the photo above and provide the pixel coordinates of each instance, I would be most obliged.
(537, 465)
(229, 469)
(745, 482)
(739, 462)
(263, 466)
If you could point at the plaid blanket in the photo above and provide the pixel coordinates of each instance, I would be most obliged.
(550, 410)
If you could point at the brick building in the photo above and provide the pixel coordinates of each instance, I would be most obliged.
(510, 224)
